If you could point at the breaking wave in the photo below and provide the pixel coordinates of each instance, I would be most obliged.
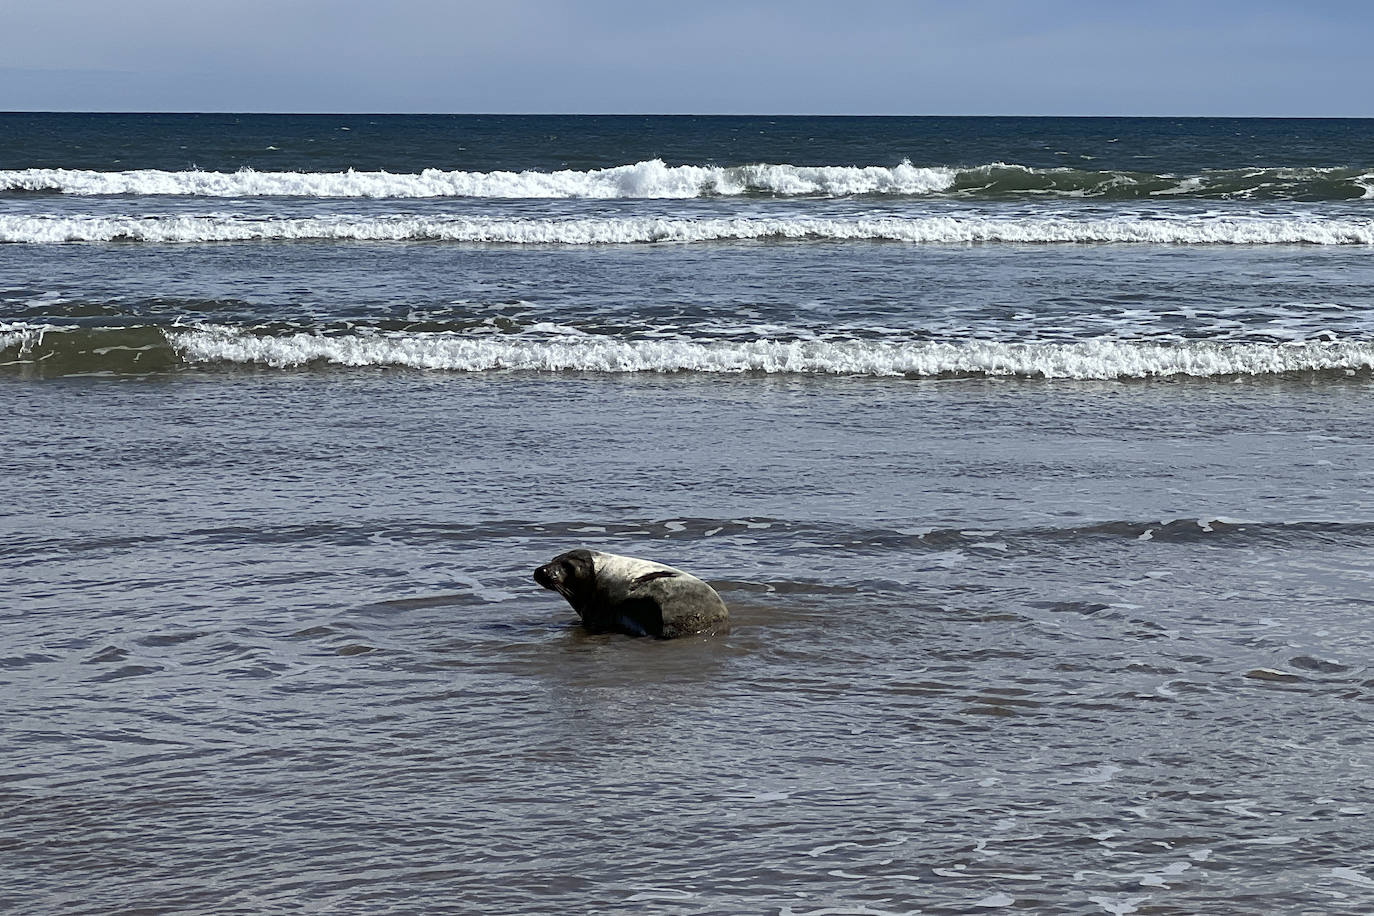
(656, 179)
(50, 349)
(650, 179)
(1096, 359)
(1196, 229)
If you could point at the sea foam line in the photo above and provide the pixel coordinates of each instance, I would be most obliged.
(1183, 230)
(1092, 359)
(656, 179)
(650, 179)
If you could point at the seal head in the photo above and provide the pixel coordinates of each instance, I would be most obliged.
(613, 593)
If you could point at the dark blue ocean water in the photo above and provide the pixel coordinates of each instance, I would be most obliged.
(1032, 456)
(411, 143)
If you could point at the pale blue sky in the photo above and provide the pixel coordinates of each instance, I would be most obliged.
(856, 57)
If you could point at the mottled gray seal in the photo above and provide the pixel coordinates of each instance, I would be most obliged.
(629, 595)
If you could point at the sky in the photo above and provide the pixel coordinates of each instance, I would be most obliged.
(1035, 57)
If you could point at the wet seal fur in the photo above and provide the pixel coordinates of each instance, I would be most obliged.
(619, 594)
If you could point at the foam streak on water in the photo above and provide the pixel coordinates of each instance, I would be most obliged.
(1129, 229)
(652, 179)
(1098, 359)
(656, 179)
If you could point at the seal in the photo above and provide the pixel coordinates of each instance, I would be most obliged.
(619, 594)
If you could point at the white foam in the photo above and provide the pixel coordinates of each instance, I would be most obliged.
(23, 335)
(1093, 359)
(649, 179)
(1187, 230)
(654, 178)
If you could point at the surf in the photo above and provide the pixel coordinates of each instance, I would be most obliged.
(656, 179)
(1064, 228)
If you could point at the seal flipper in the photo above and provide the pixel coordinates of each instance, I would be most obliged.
(641, 617)
(630, 626)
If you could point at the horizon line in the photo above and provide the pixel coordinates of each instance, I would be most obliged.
(671, 114)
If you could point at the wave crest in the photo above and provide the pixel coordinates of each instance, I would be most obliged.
(59, 350)
(1184, 230)
(650, 179)
(1091, 359)
(656, 179)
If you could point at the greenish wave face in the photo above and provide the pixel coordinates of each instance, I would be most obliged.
(48, 351)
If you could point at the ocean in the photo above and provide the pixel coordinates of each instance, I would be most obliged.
(1033, 457)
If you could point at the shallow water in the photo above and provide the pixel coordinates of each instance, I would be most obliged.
(280, 650)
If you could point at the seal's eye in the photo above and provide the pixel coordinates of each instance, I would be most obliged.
(544, 575)
(566, 574)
